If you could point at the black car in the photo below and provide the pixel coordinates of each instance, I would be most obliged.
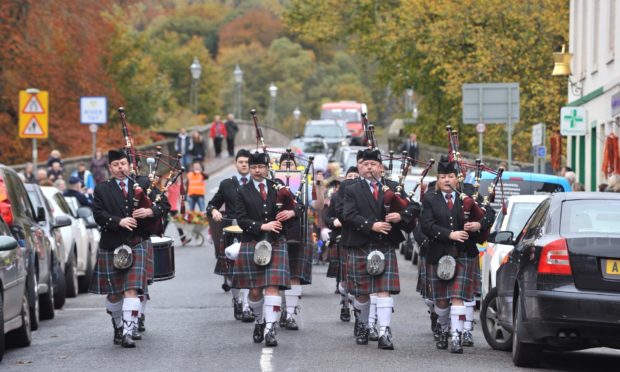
(560, 288)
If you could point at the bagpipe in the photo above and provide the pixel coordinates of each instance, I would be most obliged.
(152, 196)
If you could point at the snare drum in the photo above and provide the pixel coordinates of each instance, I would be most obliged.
(231, 235)
(163, 258)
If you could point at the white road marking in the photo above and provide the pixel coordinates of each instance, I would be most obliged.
(265, 360)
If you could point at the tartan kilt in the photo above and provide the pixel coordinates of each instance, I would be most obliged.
(108, 280)
(421, 284)
(246, 274)
(224, 266)
(334, 261)
(300, 261)
(464, 285)
(338, 263)
(150, 268)
(360, 282)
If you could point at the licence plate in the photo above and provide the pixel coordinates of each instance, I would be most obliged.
(612, 267)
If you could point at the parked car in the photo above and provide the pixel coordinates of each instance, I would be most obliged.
(518, 210)
(79, 248)
(86, 215)
(560, 287)
(23, 221)
(330, 130)
(52, 226)
(14, 296)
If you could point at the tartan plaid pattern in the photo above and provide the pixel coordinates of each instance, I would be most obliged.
(465, 283)
(337, 263)
(300, 262)
(362, 283)
(334, 261)
(246, 274)
(421, 284)
(150, 267)
(108, 280)
(224, 266)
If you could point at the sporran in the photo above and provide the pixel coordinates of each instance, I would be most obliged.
(262, 253)
(375, 263)
(446, 267)
(123, 257)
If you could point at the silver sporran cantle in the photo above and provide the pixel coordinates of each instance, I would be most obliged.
(446, 267)
(123, 257)
(375, 263)
(262, 253)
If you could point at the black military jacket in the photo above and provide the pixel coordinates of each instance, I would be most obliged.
(226, 195)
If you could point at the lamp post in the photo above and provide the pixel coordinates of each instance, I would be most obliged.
(238, 74)
(195, 70)
(273, 92)
(297, 116)
(409, 105)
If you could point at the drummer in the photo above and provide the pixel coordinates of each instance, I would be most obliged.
(225, 197)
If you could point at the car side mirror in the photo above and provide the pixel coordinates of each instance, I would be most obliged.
(7, 243)
(84, 212)
(61, 221)
(491, 238)
(504, 237)
(40, 214)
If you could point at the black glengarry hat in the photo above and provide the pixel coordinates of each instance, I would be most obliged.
(116, 155)
(359, 155)
(243, 153)
(445, 166)
(259, 158)
(287, 156)
(369, 154)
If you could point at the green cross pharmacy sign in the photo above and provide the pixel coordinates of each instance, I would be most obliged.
(573, 121)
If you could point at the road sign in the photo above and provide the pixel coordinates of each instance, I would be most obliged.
(93, 110)
(538, 134)
(33, 113)
(573, 121)
(480, 127)
(491, 103)
(541, 151)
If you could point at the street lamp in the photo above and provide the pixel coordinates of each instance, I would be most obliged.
(409, 105)
(273, 92)
(297, 116)
(195, 70)
(238, 74)
(561, 67)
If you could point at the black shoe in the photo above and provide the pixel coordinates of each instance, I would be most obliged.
(437, 332)
(270, 338)
(443, 340)
(455, 343)
(345, 314)
(225, 287)
(118, 333)
(247, 316)
(237, 309)
(358, 327)
(385, 341)
(468, 338)
(373, 334)
(282, 321)
(434, 318)
(141, 326)
(362, 337)
(259, 329)
(291, 324)
(127, 341)
(136, 335)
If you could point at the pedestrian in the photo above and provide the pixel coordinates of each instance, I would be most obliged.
(259, 218)
(198, 147)
(28, 173)
(613, 183)
(411, 147)
(56, 171)
(75, 189)
(374, 230)
(571, 177)
(226, 197)
(218, 134)
(85, 177)
(99, 167)
(54, 157)
(121, 224)
(443, 223)
(183, 145)
(196, 187)
(60, 184)
(173, 195)
(231, 131)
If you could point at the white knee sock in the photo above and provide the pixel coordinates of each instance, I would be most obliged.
(115, 309)
(364, 309)
(131, 309)
(342, 288)
(293, 296)
(372, 313)
(257, 309)
(443, 317)
(469, 315)
(430, 304)
(235, 293)
(246, 304)
(271, 309)
(385, 305)
(457, 317)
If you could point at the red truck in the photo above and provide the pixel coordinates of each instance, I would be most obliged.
(351, 113)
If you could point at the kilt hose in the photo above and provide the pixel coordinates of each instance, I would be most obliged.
(300, 261)
(337, 263)
(360, 282)
(464, 285)
(246, 274)
(108, 280)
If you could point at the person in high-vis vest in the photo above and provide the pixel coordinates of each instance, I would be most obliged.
(196, 187)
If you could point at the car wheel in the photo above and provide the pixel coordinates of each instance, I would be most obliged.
(46, 300)
(523, 354)
(498, 337)
(60, 287)
(71, 277)
(34, 307)
(22, 336)
(84, 280)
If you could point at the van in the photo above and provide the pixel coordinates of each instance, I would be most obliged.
(351, 113)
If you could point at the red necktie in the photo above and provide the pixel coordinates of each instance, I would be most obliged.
(122, 185)
(449, 201)
(375, 191)
(263, 193)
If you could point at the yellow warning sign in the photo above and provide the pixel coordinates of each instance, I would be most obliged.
(33, 113)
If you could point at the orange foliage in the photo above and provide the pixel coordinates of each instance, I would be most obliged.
(255, 25)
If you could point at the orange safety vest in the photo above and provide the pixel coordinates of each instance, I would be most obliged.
(195, 183)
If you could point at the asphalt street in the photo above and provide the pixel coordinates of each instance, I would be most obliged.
(190, 327)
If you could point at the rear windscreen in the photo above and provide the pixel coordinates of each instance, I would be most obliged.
(587, 217)
(517, 187)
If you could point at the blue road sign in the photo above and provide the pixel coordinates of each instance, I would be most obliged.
(541, 151)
